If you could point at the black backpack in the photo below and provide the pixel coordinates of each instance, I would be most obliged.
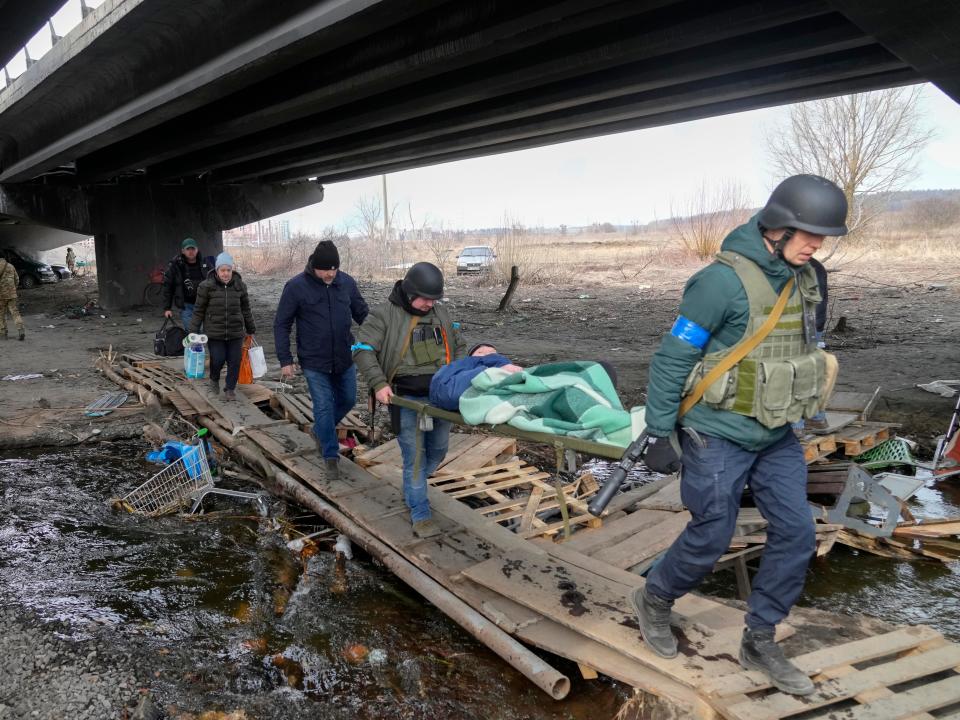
(169, 340)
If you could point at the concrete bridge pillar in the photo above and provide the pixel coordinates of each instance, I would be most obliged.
(138, 225)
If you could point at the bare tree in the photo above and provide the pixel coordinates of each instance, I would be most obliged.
(867, 143)
(708, 214)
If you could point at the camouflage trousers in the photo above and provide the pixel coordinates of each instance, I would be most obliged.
(11, 307)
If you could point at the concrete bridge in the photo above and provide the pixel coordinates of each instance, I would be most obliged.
(155, 119)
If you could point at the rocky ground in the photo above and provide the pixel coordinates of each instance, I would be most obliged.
(46, 678)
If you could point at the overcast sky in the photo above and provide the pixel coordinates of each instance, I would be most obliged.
(618, 178)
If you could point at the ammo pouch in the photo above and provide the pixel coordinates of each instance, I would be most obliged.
(775, 392)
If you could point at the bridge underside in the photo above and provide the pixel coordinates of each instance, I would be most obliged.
(206, 93)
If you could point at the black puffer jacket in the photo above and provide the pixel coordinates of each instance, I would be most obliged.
(223, 310)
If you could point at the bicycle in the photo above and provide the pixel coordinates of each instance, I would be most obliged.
(153, 292)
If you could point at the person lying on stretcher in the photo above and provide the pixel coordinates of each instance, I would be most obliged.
(451, 381)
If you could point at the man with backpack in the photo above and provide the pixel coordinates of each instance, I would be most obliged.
(739, 366)
(181, 279)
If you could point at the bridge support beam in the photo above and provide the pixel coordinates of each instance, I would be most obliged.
(138, 225)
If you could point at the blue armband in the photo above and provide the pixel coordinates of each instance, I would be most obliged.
(361, 346)
(690, 332)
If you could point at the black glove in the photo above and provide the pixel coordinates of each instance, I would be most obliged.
(661, 456)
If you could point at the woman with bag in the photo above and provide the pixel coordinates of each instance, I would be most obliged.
(223, 308)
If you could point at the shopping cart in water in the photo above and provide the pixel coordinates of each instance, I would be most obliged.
(183, 483)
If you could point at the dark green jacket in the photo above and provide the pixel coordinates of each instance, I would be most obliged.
(382, 337)
(223, 310)
(715, 300)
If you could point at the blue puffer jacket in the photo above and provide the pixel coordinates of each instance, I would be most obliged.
(451, 381)
(323, 314)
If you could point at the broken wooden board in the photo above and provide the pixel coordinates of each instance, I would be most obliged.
(589, 541)
(598, 607)
(835, 421)
(852, 402)
(646, 544)
(255, 392)
(240, 413)
(465, 452)
(860, 437)
(668, 498)
(156, 379)
(899, 548)
(925, 529)
(817, 447)
(388, 453)
(914, 654)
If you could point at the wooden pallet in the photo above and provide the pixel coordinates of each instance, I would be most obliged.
(857, 680)
(817, 447)
(465, 451)
(860, 437)
(536, 497)
(298, 409)
(571, 604)
(144, 359)
(160, 380)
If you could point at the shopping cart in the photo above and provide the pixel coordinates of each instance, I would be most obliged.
(184, 482)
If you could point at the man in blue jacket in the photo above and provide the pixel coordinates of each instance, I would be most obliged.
(322, 300)
(451, 381)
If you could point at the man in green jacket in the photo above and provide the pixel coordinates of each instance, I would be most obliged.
(738, 433)
(400, 346)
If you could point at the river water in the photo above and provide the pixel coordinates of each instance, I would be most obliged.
(219, 614)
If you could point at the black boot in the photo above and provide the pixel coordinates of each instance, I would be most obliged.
(332, 466)
(214, 386)
(758, 651)
(653, 613)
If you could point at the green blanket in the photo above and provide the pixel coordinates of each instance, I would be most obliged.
(565, 398)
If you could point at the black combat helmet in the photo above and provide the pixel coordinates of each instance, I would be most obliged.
(806, 202)
(424, 280)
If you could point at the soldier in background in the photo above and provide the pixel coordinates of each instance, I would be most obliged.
(9, 280)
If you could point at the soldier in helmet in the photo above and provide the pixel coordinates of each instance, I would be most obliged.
(403, 342)
(738, 432)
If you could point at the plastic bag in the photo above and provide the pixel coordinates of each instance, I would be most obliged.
(246, 372)
(258, 363)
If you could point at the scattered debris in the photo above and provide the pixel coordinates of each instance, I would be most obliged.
(106, 404)
(17, 378)
(943, 388)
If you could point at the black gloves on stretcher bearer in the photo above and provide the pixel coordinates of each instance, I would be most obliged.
(661, 456)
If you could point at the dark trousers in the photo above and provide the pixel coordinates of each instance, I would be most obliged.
(333, 396)
(229, 352)
(712, 480)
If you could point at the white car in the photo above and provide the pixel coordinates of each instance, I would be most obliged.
(475, 259)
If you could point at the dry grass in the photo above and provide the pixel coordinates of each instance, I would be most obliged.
(889, 254)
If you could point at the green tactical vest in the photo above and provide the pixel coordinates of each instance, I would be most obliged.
(782, 379)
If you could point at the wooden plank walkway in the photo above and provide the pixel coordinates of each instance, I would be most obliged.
(571, 598)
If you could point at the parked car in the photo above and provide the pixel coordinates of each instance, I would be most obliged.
(31, 272)
(475, 259)
(62, 272)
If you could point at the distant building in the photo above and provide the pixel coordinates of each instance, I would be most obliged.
(263, 232)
